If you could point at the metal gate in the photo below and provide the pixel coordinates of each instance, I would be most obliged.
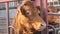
(7, 12)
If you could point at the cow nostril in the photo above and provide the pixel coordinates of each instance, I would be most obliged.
(41, 24)
(32, 0)
(44, 25)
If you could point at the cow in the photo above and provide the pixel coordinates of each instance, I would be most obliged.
(53, 9)
(27, 20)
(52, 19)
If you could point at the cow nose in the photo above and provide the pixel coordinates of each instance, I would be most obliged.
(43, 25)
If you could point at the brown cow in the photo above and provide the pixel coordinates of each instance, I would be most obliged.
(27, 20)
(52, 19)
(52, 9)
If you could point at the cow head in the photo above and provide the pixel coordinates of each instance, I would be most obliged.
(27, 18)
(30, 12)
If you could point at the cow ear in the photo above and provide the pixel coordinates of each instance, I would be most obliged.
(23, 11)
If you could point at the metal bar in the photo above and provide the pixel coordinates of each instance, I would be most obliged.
(45, 10)
(44, 13)
(7, 17)
(55, 28)
(18, 3)
(9, 8)
(41, 14)
(36, 3)
(3, 1)
(58, 14)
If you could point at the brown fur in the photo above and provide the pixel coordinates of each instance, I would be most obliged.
(52, 19)
(52, 9)
(27, 20)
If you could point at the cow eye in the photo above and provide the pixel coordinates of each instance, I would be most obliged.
(28, 12)
(32, 0)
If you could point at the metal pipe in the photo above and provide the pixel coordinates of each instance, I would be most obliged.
(7, 17)
(9, 8)
(4, 1)
(44, 13)
(57, 14)
(41, 14)
(53, 28)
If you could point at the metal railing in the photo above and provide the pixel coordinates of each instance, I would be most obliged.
(7, 12)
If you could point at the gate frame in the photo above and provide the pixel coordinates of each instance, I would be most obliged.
(7, 12)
